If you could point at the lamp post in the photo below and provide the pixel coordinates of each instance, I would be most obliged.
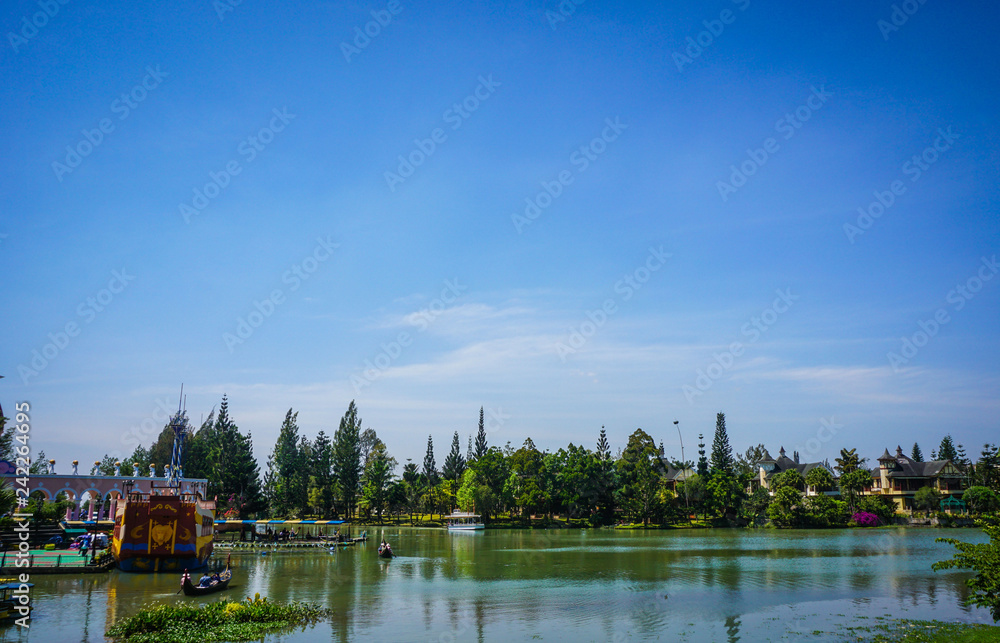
(683, 467)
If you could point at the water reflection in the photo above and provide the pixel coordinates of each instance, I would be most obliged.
(559, 585)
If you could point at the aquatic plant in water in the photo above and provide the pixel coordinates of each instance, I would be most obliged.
(219, 621)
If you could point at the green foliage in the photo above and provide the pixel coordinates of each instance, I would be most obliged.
(947, 451)
(430, 466)
(755, 505)
(347, 463)
(702, 460)
(286, 481)
(881, 506)
(786, 508)
(984, 559)
(852, 483)
(377, 480)
(454, 464)
(219, 621)
(639, 472)
(790, 478)
(480, 437)
(916, 454)
(722, 453)
(820, 479)
(848, 461)
(980, 500)
(927, 499)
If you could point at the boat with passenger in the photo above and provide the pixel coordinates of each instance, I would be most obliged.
(461, 521)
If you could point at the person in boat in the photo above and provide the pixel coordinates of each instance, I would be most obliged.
(205, 580)
(216, 578)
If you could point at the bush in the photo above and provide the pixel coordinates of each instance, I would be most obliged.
(865, 519)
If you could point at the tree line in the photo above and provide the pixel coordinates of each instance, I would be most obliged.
(352, 475)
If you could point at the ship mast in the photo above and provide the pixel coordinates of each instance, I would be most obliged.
(179, 424)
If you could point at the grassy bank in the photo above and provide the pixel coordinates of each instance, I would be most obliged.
(219, 621)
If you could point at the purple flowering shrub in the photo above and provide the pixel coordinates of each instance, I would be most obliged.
(865, 519)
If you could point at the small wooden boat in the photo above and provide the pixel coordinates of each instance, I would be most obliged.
(190, 589)
(385, 551)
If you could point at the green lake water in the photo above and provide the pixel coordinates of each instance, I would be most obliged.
(562, 585)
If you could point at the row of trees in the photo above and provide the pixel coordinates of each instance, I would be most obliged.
(352, 474)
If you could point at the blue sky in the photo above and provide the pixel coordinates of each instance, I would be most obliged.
(221, 171)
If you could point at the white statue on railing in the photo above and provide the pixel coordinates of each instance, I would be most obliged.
(152, 470)
(166, 471)
(76, 463)
(52, 467)
(118, 469)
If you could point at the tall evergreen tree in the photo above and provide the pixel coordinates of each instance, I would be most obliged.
(603, 448)
(321, 493)
(430, 466)
(454, 464)
(284, 468)
(469, 455)
(962, 459)
(347, 465)
(947, 449)
(916, 454)
(702, 460)
(722, 453)
(481, 437)
(377, 477)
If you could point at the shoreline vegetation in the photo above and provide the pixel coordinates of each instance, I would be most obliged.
(224, 620)
(894, 630)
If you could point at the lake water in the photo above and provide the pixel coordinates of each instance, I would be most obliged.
(562, 585)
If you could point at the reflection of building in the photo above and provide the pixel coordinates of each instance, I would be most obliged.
(769, 467)
(899, 478)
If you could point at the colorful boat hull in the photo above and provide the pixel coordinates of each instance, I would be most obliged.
(163, 533)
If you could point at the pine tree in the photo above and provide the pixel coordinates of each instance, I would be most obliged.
(481, 437)
(321, 481)
(603, 448)
(947, 449)
(702, 460)
(430, 466)
(347, 465)
(722, 453)
(469, 457)
(454, 464)
(283, 467)
(962, 460)
(916, 455)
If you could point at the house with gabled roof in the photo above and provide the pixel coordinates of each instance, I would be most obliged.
(900, 477)
(770, 467)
